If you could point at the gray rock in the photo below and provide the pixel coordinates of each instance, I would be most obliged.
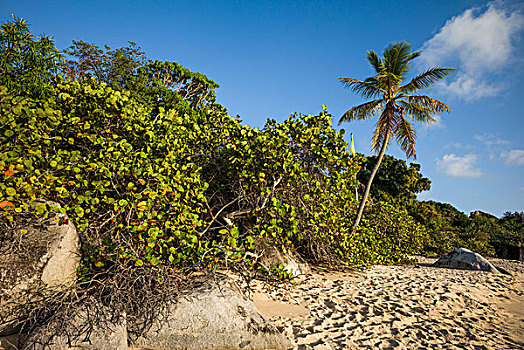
(88, 326)
(213, 315)
(462, 258)
(271, 256)
(44, 262)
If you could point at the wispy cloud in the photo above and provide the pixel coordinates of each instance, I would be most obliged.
(493, 144)
(438, 124)
(478, 42)
(459, 145)
(490, 139)
(514, 156)
(457, 166)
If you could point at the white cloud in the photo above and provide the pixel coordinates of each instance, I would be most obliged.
(457, 166)
(476, 43)
(514, 156)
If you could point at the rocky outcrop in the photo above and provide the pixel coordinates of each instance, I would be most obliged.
(212, 315)
(481, 214)
(35, 264)
(89, 326)
(462, 258)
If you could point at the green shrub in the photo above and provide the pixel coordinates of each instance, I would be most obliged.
(388, 236)
(448, 229)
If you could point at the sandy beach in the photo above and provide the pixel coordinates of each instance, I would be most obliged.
(400, 307)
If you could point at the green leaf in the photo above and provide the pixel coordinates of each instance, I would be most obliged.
(10, 191)
(79, 211)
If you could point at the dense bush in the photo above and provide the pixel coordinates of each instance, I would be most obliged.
(442, 223)
(117, 175)
(388, 235)
(154, 173)
(513, 223)
(181, 190)
(448, 228)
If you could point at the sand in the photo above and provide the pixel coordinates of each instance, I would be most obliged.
(400, 307)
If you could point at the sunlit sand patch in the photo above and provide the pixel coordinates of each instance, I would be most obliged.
(403, 307)
(274, 308)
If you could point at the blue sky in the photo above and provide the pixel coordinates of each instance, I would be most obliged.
(274, 58)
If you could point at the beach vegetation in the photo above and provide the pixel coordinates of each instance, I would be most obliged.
(162, 183)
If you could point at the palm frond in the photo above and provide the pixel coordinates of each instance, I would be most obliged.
(367, 89)
(426, 79)
(405, 66)
(397, 56)
(362, 112)
(393, 81)
(417, 112)
(376, 62)
(406, 136)
(430, 104)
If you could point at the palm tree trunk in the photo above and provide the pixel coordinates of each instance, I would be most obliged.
(368, 185)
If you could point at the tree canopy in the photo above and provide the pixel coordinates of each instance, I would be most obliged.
(27, 64)
(394, 100)
(395, 180)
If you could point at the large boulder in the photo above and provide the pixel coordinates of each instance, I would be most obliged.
(88, 325)
(36, 264)
(213, 314)
(462, 258)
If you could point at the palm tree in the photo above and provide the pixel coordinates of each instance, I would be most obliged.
(393, 102)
